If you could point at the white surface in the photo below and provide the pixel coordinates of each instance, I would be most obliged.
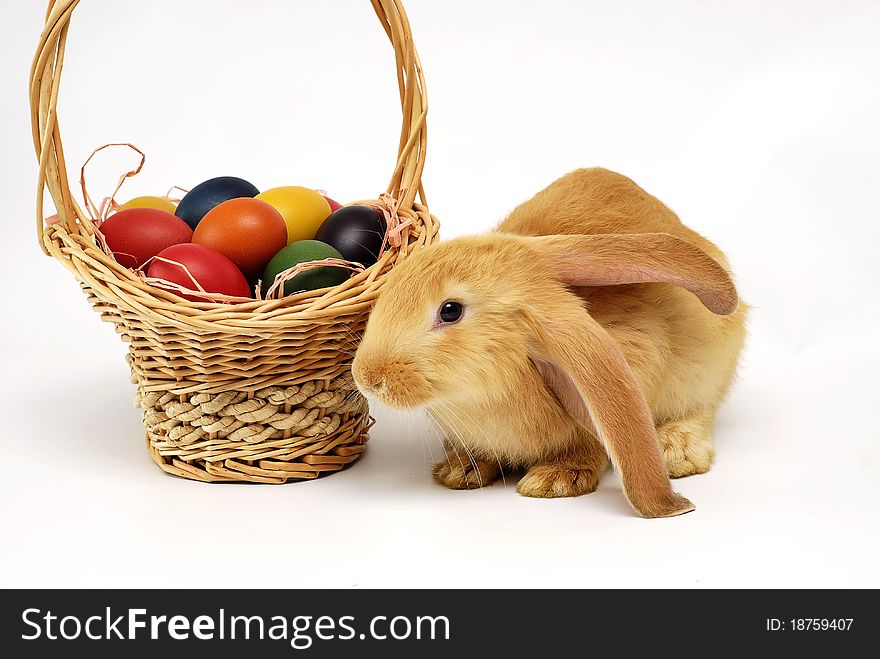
(756, 121)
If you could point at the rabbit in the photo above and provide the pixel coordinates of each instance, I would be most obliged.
(590, 324)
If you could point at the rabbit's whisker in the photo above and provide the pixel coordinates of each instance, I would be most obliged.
(473, 460)
(492, 448)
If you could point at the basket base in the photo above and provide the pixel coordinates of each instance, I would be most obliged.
(271, 435)
(262, 471)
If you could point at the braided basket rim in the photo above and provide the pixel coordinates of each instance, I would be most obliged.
(121, 287)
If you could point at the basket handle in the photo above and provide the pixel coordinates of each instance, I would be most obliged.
(46, 76)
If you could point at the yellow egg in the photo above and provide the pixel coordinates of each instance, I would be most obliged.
(150, 202)
(303, 210)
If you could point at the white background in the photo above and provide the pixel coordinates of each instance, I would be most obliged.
(756, 121)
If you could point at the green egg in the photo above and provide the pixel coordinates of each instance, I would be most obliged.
(310, 280)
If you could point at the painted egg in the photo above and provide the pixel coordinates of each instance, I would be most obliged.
(334, 205)
(160, 203)
(247, 231)
(213, 271)
(205, 196)
(137, 234)
(309, 280)
(356, 232)
(303, 210)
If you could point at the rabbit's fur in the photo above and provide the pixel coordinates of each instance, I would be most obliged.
(595, 324)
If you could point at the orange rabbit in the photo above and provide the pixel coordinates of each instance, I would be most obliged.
(591, 323)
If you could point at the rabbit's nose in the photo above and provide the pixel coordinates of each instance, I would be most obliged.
(368, 380)
(376, 386)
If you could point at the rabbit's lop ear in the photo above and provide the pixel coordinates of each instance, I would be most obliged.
(583, 366)
(608, 259)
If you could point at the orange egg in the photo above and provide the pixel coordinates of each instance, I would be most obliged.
(247, 231)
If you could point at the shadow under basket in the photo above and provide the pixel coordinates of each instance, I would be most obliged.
(257, 391)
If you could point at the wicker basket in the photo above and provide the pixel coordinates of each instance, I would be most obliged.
(257, 391)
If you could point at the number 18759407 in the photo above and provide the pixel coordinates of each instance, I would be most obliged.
(809, 624)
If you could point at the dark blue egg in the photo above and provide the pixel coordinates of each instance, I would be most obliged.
(205, 196)
(356, 232)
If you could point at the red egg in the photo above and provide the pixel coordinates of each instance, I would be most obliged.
(334, 205)
(247, 231)
(213, 271)
(138, 234)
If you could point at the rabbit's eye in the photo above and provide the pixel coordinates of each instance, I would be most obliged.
(450, 311)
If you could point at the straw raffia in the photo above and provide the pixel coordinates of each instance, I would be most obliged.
(256, 391)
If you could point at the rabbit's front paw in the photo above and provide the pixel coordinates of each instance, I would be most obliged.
(459, 471)
(687, 446)
(549, 481)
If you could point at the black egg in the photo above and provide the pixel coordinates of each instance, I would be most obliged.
(356, 232)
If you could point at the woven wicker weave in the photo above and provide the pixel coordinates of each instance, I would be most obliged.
(257, 391)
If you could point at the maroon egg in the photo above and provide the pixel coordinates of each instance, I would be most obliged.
(334, 205)
(136, 235)
(180, 264)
